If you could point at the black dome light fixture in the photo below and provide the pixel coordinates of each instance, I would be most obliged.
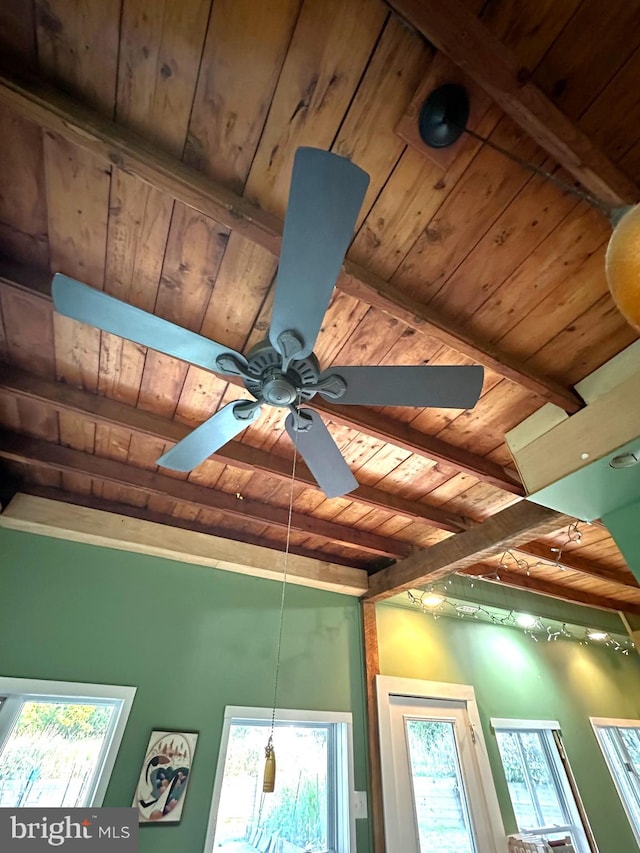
(442, 121)
(444, 116)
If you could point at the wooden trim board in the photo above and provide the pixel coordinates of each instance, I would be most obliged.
(618, 369)
(371, 672)
(608, 423)
(546, 418)
(94, 527)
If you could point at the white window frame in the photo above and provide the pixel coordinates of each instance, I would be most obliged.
(606, 722)
(388, 686)
(345, 792)
(546, 728)
(16, 691)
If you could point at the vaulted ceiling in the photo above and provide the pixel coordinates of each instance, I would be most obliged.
(146, 149)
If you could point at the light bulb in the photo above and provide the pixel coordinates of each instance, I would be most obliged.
(432, 600)
(597, 635)
(622, 266)
(526, 620)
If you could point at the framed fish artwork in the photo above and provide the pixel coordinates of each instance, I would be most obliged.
(164, 777)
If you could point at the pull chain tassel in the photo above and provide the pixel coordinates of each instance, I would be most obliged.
(269, 779)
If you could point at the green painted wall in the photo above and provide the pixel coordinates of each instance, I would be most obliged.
(624, 526)
(191, 639)
(514, 677)
(595, 490)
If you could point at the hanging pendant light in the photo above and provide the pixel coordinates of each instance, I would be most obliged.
(622, 263)
(442, 120)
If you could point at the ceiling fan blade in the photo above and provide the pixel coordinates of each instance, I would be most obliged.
(209, 436)
(447, 387)
(321, 453)
(84, 303)
(326, 195)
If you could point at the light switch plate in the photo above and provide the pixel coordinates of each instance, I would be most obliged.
(359, 804)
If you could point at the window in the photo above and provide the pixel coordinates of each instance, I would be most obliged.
(620, 743)
(309, 809)
(541, 793)
(58, 741)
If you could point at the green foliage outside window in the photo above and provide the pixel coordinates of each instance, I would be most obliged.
(49, 735)
(69, 721)
(533, 755)
(297, 817)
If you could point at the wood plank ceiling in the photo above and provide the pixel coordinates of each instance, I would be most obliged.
(478, 262)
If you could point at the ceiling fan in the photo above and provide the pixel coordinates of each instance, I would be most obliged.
(326, 194)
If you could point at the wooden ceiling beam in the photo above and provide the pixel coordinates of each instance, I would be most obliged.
(63, 397)
(100, 409)
(360, 418)
(507, 529)
(554, 590)
(402, 435)
(44, 454)
(144, 514)
(47, 517)
(574, 563)
(381, 294)
(39, 102)
(456, 31)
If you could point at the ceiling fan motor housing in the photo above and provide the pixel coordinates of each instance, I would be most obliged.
(275, 386)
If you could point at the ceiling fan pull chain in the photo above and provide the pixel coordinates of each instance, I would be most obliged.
(270, 762)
